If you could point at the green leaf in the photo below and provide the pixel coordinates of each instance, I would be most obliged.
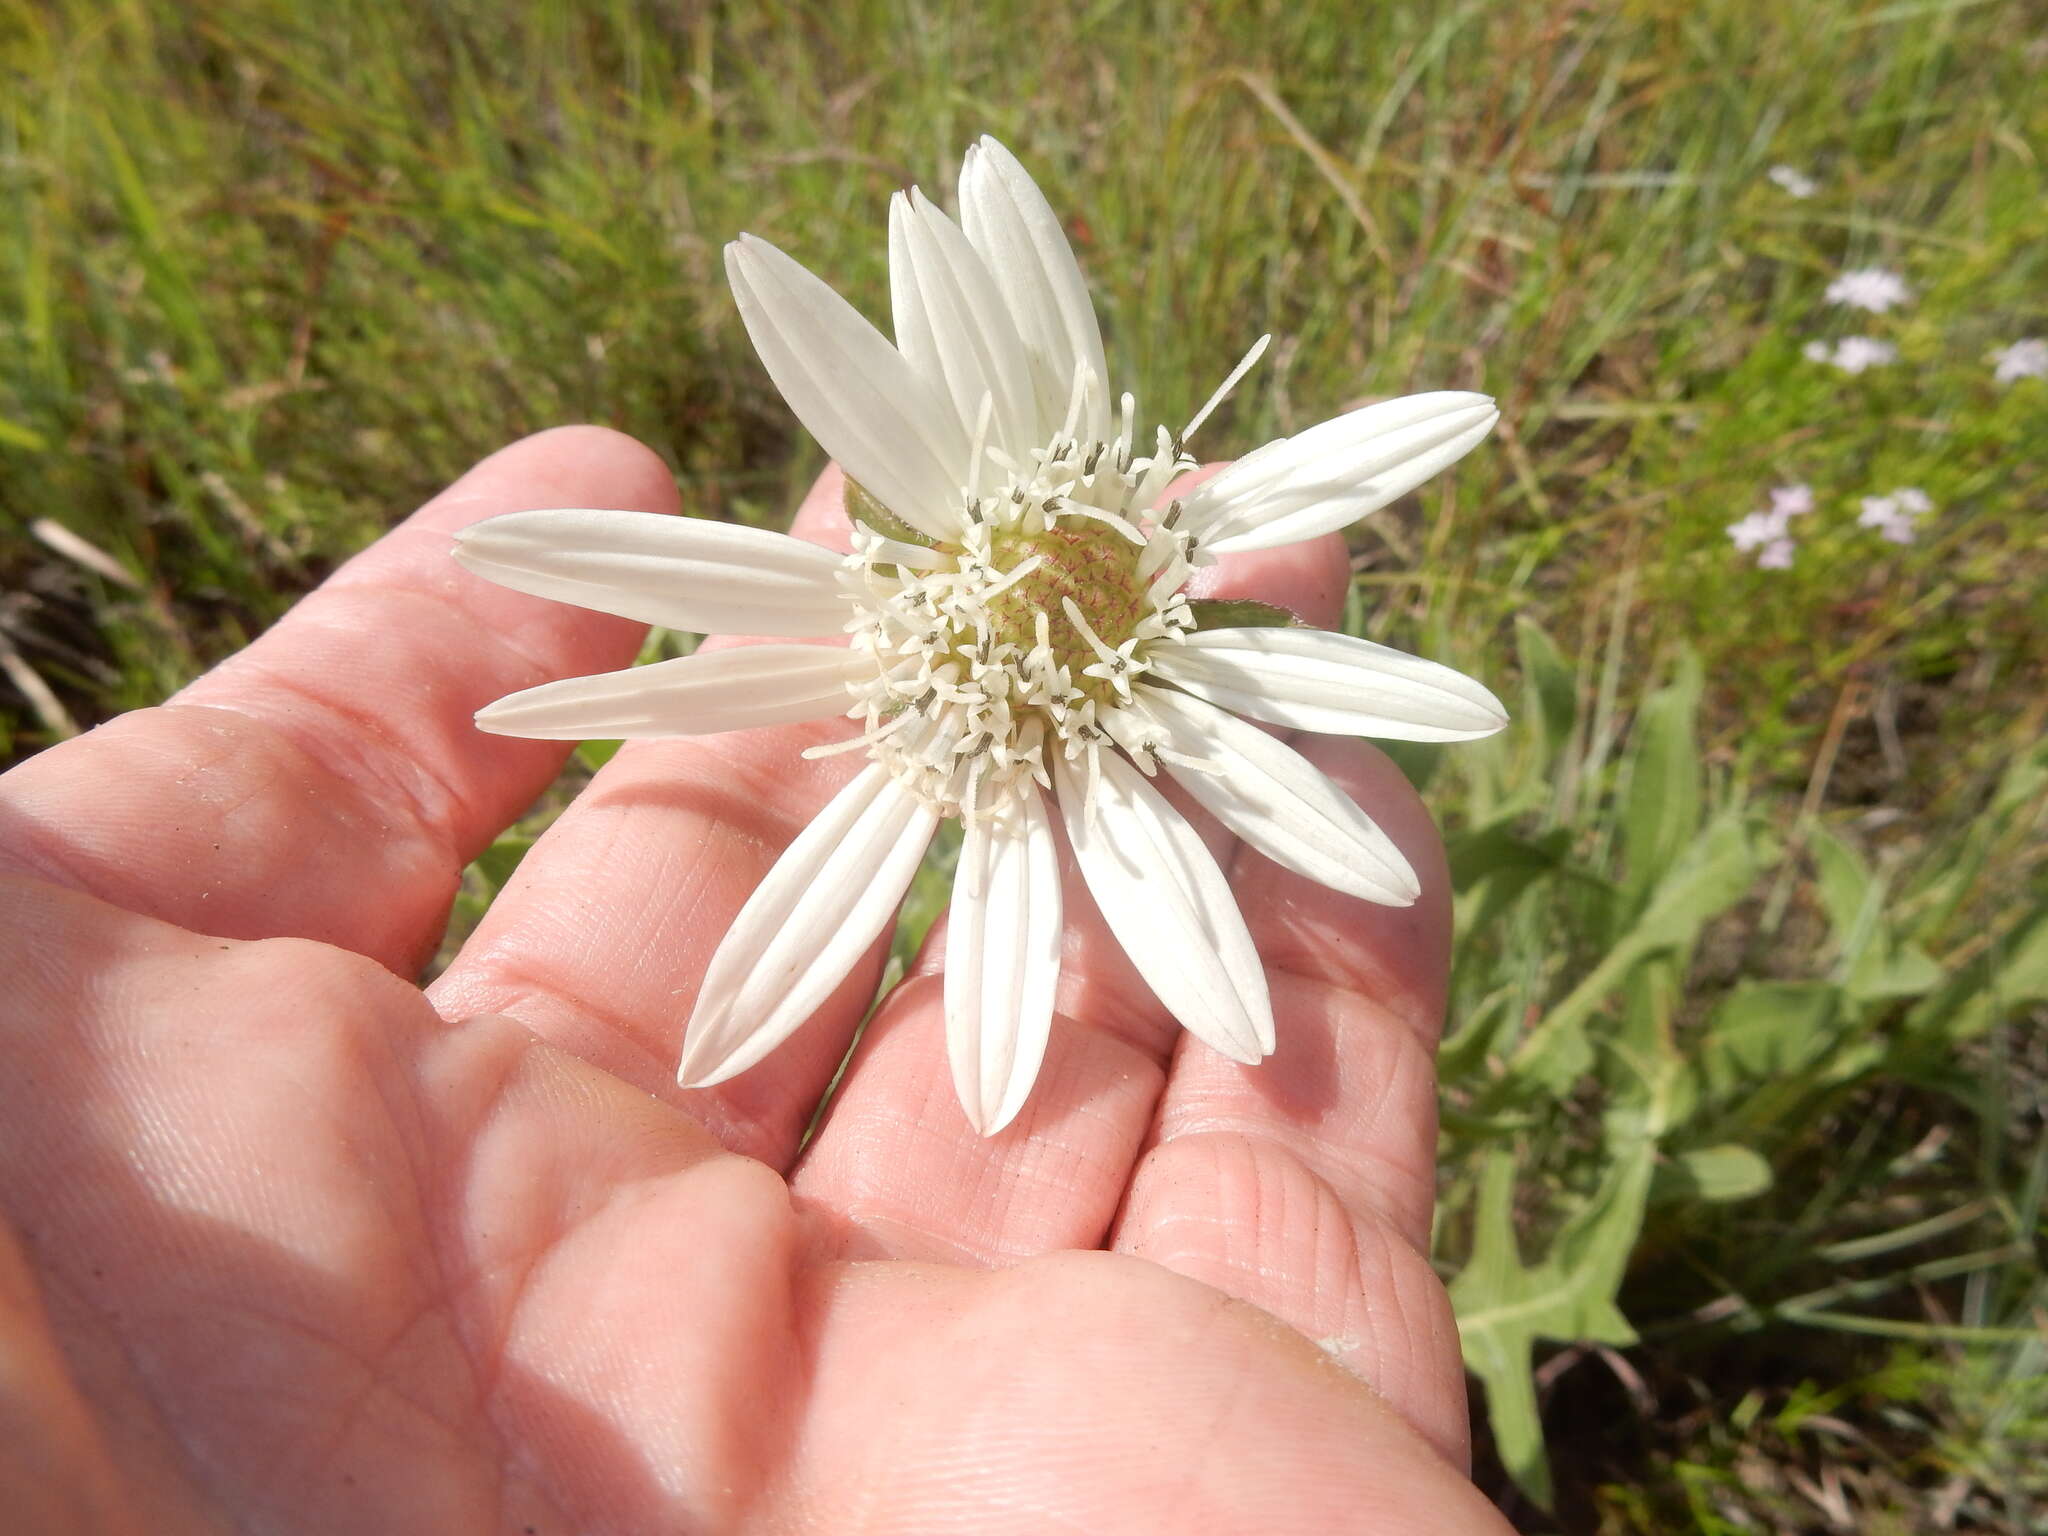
(1485, 1026)
(1713, 1174)
(1240, 613)
(1663, 807)
(931, 892)
(2010, 972)
(1873, 965)
(1650, 1084)
(1505, 1305)
(1417, 760)
(1715, 872)
(1766, 1031)
(1849, 892)
(1549, 686)
(862, 507)
(497, 862)
(1893, 970)
(595, 754)
(15, 435)
(1498, 849)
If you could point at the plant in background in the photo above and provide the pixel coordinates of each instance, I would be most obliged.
(1895, 516)
(1871, 288)
(1602, 1073)
(2026, 358)
(1022, 643)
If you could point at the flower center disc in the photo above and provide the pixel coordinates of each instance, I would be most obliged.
(1083, 560)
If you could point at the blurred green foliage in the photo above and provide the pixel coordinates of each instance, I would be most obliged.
(1751, 945)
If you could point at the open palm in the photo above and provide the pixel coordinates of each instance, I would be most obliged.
(296, 1248)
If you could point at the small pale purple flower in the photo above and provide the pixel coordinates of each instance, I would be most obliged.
(1870, 288)
(1756, 530)
(1854, 354)
(1895, 516)
(1777, 556)
(1791, 500)
(1792, 181)
(2026, 358)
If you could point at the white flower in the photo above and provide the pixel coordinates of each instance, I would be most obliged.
(1852, 354)
(1894, 516)
(1768, 531)
(1756, 530)
(1020, 646)
(1793, 182)
(1791, 500)
(1870, 288)
(2026, 358)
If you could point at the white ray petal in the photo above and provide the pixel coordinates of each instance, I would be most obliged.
(856, 394)
(1020, 238)
(681, 572)
(1279, 802)
(954, 326)
(826, 900)
(1169, 907)
(1313, 680)
(730, 690)
(1002, 959)
(1328, 477)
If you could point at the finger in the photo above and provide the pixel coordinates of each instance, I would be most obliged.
(897, 1169)
(599, 941)
(327, 782)
(1083, 1392)
(1305, 1185)
(56, 1470)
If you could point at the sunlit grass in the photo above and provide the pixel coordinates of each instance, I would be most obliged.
(270, 273)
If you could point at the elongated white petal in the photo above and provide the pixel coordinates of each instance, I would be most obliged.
(731, 690)
(826, 900)
(1169, 907)
(682, 572)
(955, 328)
(856, 394)
(1020, 238)
(1313, 680)
(1280, 803)
(1323, 479)
(1002, 959)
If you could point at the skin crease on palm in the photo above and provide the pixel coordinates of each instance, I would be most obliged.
(291, 1247)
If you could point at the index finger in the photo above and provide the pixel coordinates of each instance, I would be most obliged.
(327, 783)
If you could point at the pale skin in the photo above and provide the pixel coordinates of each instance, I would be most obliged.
(291, 1246)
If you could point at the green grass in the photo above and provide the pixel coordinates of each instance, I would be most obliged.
(1743, 1139)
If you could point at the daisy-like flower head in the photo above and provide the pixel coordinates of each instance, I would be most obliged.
(2026, 358)
(1792, 181)
(1020, 647)
(1871, 288)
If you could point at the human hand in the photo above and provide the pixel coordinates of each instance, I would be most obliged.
(297, 1248)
